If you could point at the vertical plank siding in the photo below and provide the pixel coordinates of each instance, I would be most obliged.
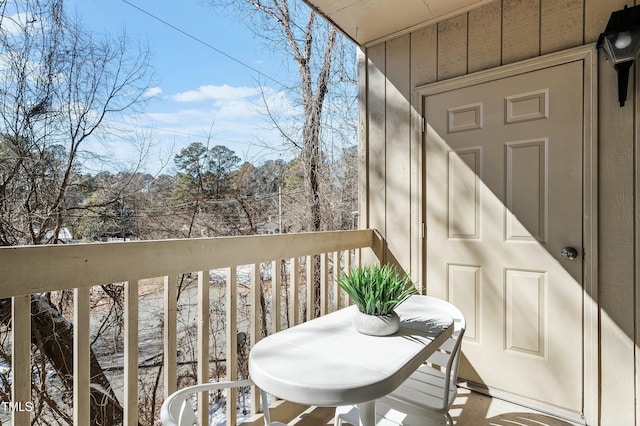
(376, 142)
(398, 154)
(424, 56)
(616, 250)
(636, 208)
(485, 35)
(500, 33)
(561, 25)
(520, 30)
(596, 16)
(452, 47)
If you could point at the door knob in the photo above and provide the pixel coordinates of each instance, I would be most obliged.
(569, 253)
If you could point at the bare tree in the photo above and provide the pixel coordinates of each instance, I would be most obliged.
(311, 44)
(58, 85)
(317, 51)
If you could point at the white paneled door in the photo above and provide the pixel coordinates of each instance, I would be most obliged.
(504, 204)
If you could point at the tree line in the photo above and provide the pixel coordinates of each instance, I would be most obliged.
(212, 193)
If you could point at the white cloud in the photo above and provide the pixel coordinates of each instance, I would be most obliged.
(153, 92)
(241, 115)
(280, 104)
(231, 116)
(180, 118)
(16, 23)
(216, 93)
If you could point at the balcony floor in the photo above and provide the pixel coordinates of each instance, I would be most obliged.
(469, 409)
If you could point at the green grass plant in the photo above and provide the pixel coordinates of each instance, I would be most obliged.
(376, 290)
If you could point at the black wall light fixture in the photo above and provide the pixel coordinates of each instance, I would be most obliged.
(621, 43)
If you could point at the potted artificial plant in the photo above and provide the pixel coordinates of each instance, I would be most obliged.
(376, 291)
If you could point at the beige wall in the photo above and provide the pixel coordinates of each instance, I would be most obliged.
(500, 33)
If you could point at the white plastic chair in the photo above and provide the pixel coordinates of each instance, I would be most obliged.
(431, 389)
(177, 410)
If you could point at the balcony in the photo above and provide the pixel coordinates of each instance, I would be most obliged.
(271, 295)
(289, 262)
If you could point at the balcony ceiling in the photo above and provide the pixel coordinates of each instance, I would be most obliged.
(366, 21)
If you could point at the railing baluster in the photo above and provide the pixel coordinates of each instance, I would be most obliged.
(170, 334)
(276, 296)
(336, 287)
(21, 357)
(347, 268)
(161, 260)
(232, 341)
(203, 344)
(311, 294)
(294, 279)
(131, 308)
(255, 326)
(324, 283)
(81, 356)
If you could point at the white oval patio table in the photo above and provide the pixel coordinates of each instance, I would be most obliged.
(325, 362)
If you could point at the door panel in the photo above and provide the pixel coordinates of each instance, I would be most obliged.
(503, 194)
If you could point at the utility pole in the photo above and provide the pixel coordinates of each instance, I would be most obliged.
(280, 209)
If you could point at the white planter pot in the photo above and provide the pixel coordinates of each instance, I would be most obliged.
(376, 325)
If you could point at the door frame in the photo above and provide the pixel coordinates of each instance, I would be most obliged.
(589, 57)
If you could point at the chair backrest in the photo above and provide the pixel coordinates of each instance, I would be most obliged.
(177, 410)
(447, 357)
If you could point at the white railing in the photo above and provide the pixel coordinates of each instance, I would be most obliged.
(28, 270)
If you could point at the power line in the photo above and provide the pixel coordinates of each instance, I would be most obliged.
(204, 43)
(169, 210)
(193, 135)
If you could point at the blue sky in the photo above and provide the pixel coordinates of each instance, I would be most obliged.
(199, 94)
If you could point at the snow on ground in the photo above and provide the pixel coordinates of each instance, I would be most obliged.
(217, 411)
(218, 414)
(243, 274)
